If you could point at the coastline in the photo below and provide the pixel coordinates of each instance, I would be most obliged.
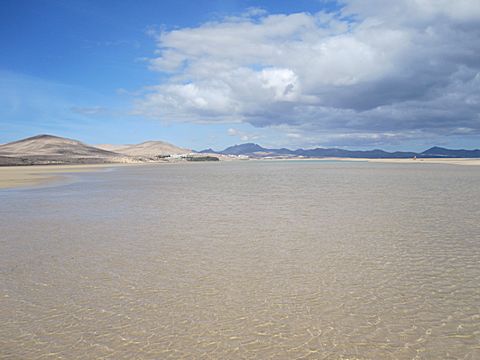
(37, 175)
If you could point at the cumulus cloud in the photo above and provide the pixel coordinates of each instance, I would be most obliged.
(371, 70)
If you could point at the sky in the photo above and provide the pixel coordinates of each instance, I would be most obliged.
(396, 75)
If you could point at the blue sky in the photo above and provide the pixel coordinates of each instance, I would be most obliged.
(214, 73)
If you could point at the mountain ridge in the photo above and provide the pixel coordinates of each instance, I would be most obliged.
(255, 150)
(45, 149)
(147, 148)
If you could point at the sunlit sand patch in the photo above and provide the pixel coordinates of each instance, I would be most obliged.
(38, 175)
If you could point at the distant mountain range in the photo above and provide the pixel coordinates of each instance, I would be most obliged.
(255, 150)
(49, 149)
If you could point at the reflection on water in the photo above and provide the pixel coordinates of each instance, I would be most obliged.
(249, 260)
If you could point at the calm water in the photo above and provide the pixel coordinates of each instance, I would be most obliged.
(245, 260)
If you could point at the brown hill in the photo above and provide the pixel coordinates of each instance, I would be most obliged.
(147, 149)
(49, 149)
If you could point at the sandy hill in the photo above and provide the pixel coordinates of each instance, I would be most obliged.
(50, 145)
(148, 149)
(46, 149)
(110, 147)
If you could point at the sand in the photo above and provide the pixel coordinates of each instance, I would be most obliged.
(450, 161)
(471, 162)
(25, 176)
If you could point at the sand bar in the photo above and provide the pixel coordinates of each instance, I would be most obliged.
(450, 161)
(25, 176)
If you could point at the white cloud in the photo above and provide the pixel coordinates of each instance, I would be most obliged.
(294, 135)
(413, 11)
(242, 135)
(411, 65)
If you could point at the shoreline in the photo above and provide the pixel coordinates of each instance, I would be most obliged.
(445, 161)
(24, 176)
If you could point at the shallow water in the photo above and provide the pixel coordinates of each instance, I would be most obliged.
(247, 260)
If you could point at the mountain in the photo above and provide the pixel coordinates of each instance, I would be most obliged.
(250, 149)
(442, 152)
(110, 147)
(255, 150)
(367, 154)
(207, 151)
(147, 149)
(49, 149)
(50, 145)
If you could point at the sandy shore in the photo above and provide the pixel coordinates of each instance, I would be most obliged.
(470, 162)
(451, 161)
(24, 176)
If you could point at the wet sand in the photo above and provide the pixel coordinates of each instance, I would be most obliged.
(37, 175)
(244, 260)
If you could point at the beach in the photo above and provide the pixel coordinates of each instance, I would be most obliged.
(240, 180)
